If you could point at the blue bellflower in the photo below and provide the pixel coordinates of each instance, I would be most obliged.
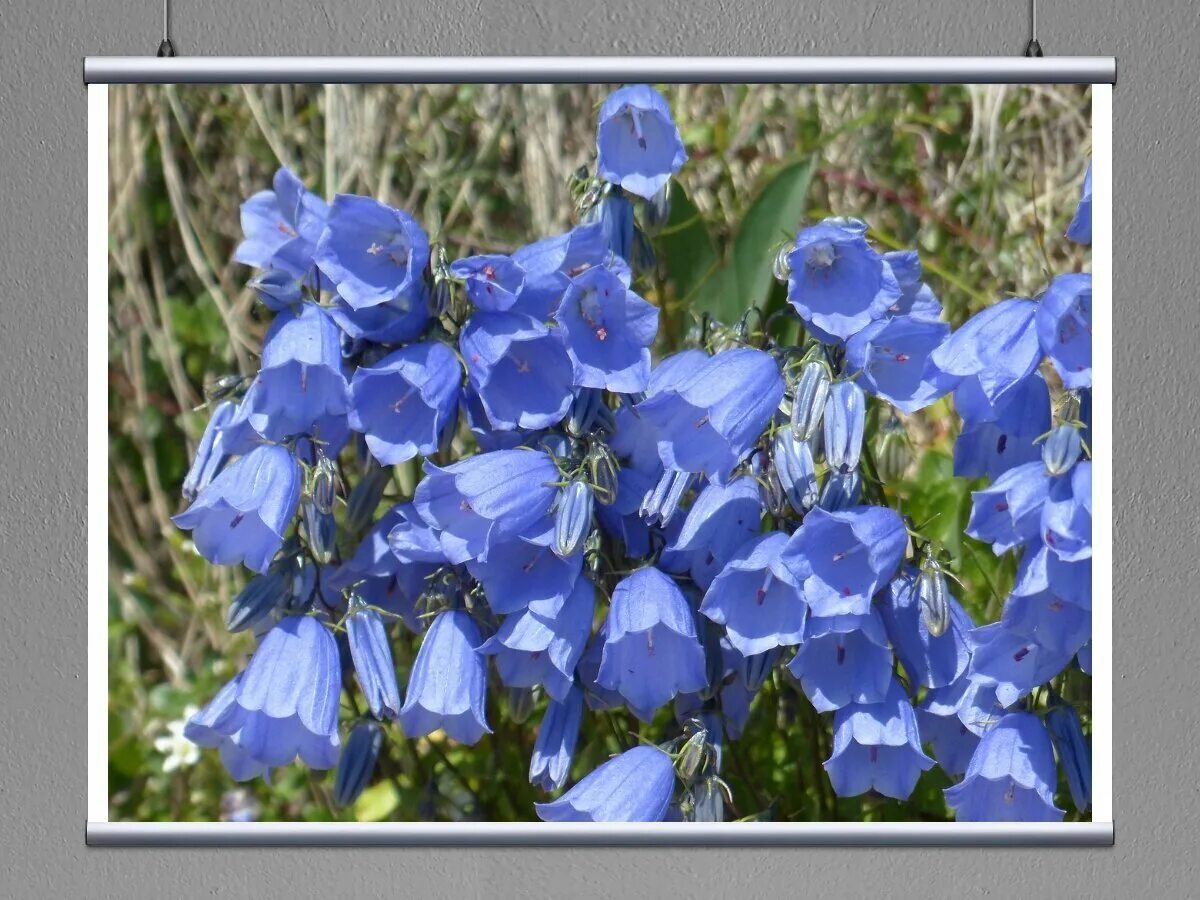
(1011, 775)
(1080, 229)
(952, 742)
(493, 282)
(1074, 753)
(373, 664)
(608, 330)
(447, 687)
(894, 357)
(518, 574)
(928, 660)
(916, 298)
(614, 214)
(633, 787)
(1064, 327)
(282, 227)
(639, 147)
(996, 438)
(843, 660)
(210, 454)
(722, 518)
(997, 347)
(554, 748)
(1008, 514)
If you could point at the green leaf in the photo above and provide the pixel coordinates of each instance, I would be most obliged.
(376, 803)
(685, 245)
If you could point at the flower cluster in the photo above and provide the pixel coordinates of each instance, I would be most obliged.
(601, 530)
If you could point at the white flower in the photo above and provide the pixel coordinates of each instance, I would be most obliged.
(177, 749)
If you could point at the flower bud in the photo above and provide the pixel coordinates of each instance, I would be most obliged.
(756, 669)
(780, 267)
(796, 470)
(1074, 753)
(842, 490)
(845, 422)
(693, 756)
(932, 595)
(364, 498)
(521, 701)
(573, 520)
(323, 484)
(602, 474)
(584, 412)
(708, 800)
(895, 451)
(301, 582)
(276, 289)
(662, 501)
(261, 594)
(809, 398)
(770, 492)
(371, 653)
(357, 762)
(1062, 448)
(320, 530)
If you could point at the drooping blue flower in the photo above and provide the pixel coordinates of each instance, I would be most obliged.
(842, 558)
(243, 513)
(757, 598)
(614, 214)
(531, 649)
(1074, 752)
(373, 663)
(1066, 523)
(1011, 775)
(1009, 513)
(1062, 448)
(282, 227)
(928, 660)
(447, 687)
(518, 574)
(842, 491)
(210, 455)
(1080, 229)
(1012, 664)
(608, 330)
(277, 289)
(357, 762)
(486, 499)
(796, 470)
(639, 147)
(709, 417)
(519, 369)
(555, 746)
(404, 403)
(916, 298)
(997, 347)
(301, 386)
(997, 438)
(380, 577)
(1064, 327)
(843, 659)
(952, 742)
(635, 786)
(722, 518)
(396, 322)
(810, 396)
(837, 282)
(652, 651)
(1042, 607)
(877, 746)
(893, 356)
(373, 253)
(845, 421)
(284, 705)
(493, 281)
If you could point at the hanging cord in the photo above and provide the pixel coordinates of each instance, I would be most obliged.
(1033, 48)
(166, 48)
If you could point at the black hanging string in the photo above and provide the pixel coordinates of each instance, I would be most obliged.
(166, 48)
(1033, 48)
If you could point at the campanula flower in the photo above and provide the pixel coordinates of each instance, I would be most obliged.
(842, 558)
(1011, 775)
(845, 421)
(244, 512)
(373, 253)
(532, 650)
(1064, 327)
(1011, 663)
(486, 499)
(722, 518)
(614, 214)
(282, 227)
(1062, 448)
(796, 470)
(709, 417)
(997, 438)
(843, 659)
(930, 661)
(404, 403)
(952, 742)
(877, 746)
(809, 398)
(200, 730)
(757, 598)
(635, 786)
(893, 357)
(492, 281)
(277, 289)
(652, 651)
(1074, 752)
(373, 664)
(837, 282)
(1009, 513)
(519, 369)
(284, 705)
(997, 347)
(301, 386)
(210, 455)
(608, 330)
(639, 147)
(555, 746)
(518, 574)
(380, 577)
(1080, 229)
(357, 762)
(1067, 515)
(1042, 608)
(552, 262)
(447, 687)
(916, 298)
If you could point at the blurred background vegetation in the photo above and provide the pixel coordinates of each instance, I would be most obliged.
(981, 179)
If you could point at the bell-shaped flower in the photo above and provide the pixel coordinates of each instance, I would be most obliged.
(277, 289)
(492, 281)
(301, 386)
(1064, 327)
(639, 147)
(893, 357)
(447, 687)
(997, 347)
(1012, 664)
(551, 262)
(1067, 515)
(373, 663)
(284, 705)
(634, 787)
(837, 282)
(1080, 229)
(722, 518)
(380, 577)
(930, 661)
(1011, 775)
(532, 650)
(200, 730)
(554, 748)
(710, 416)
(404, 403)
(842, 558)
(996, 438)
(952, 742)
(396, 322)
(757, 598)
(373, 253)
(842, 491)
(519, 369)
(244, 512)
(518, 574)
(845, 422)
(1074, 752)
(652, 651)
(796, 470)
(282, 227)
(357, 762)
(843, 660)
(608, 330)
(486, 499)
(210, 455)
(877, 746)
(614, 214)
(1009, 513)
(916, 298)
(1047, 619)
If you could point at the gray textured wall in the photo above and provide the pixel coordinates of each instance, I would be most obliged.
(42, 444)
